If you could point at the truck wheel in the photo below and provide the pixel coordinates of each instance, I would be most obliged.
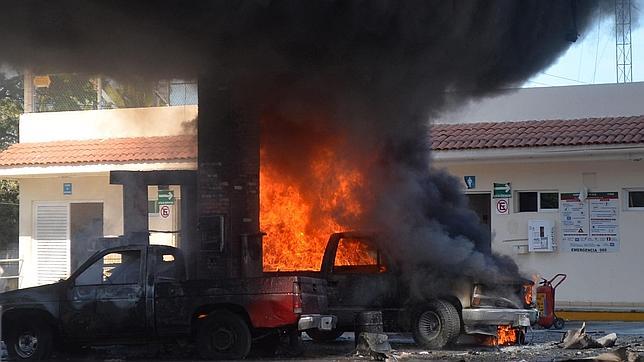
(224, 335)
(559, 323)
(436, 324)
(324, 336)
(29, 341)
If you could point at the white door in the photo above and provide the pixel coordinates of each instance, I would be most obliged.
(51, 233)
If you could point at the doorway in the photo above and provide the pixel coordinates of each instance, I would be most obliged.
(85, 229)
(481, 204)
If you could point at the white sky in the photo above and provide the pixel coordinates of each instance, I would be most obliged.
(592, 59)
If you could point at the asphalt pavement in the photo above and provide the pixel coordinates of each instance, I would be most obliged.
(541, 345)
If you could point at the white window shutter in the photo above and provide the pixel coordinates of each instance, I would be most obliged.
(52, 242)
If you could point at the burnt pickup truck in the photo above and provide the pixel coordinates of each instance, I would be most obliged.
(375, 282)
(139, 294)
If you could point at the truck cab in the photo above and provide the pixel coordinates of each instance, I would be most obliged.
(436, 317)
(139, 294)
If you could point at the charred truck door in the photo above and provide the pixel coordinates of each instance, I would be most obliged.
(357, 278)
(106, 297)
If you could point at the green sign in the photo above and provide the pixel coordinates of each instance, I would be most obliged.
(165, 197)
(502, 190)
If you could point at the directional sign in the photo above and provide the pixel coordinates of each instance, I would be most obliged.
(165, 197)
(502, 190)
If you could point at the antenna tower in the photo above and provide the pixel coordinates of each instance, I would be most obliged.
(623, 48)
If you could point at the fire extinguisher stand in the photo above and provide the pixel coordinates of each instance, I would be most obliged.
(546, 302)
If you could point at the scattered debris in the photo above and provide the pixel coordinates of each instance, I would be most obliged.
(579, 339)
(373, 345)
(622, 354)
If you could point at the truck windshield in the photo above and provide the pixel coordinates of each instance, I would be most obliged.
(355, 255)
(122, 267)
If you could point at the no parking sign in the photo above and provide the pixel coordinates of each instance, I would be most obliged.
(164, 211)
(502, 207)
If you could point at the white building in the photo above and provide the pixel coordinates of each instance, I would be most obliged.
(548, 164)
(63, 164)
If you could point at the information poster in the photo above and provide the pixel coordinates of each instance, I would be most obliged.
(590, 226)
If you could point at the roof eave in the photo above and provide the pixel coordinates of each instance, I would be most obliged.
(536, 154)
(88, 169)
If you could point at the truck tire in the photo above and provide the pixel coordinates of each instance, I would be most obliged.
(559, 323)
(224, 335)
(436, 324)
(324, 336)
(29, 340)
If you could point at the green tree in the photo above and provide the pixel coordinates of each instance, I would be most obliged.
(67, 92)
(11, 106)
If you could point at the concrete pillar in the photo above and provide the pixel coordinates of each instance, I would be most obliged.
(28, 85)
(228, 179)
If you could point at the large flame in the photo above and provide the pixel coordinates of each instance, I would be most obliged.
(505, 336)
(298, 216)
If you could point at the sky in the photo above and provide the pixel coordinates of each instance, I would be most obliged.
(592, 58)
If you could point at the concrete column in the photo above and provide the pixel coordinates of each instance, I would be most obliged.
(28, 85)
(135, 206)
(228, 175)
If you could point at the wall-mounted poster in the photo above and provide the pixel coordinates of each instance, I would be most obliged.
(591, 225)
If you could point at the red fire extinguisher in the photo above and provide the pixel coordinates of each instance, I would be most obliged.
(546, 302)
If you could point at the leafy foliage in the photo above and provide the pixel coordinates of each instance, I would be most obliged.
(67, 92)
(11, 103)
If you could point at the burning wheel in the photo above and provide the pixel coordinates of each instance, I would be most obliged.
(29, 340)
(324, 336)
(224, 335)
(436, 324)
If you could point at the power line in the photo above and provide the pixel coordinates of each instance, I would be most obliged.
(599, 23)
(565, 78)
(539, 83)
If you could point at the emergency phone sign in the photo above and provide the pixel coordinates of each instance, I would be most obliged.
(590, 224)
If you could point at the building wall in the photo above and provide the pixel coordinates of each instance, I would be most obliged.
(604, 281)
(84, 189)
(569, 102)
(109, 123)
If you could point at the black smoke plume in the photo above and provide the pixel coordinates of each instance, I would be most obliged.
(368, 74)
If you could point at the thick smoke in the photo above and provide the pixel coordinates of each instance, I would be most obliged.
(366, 74)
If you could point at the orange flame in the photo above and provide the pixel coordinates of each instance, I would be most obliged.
(506, 335)
(299, 216)
(528, 290)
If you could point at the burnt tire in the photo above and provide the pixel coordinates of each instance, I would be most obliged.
(224, 335)
(324, 336)
(29, 340)
(559, 323)
(436, 324)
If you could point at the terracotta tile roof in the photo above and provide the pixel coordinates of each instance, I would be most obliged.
(114, 150)
(575, 132)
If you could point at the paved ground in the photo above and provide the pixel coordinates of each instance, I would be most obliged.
(541, 345)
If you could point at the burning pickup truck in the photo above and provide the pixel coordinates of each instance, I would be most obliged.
(374, 282)
(139, 294)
